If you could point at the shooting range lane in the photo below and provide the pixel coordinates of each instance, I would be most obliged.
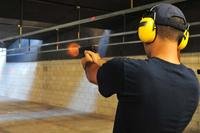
(18, 116)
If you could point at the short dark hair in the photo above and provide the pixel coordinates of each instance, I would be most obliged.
(171, 32)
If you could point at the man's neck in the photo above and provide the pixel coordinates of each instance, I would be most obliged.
(168, 59)
(167, 51)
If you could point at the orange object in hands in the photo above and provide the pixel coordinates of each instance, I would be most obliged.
(73, 49)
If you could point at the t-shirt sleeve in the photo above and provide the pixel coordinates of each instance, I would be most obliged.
(110, 77)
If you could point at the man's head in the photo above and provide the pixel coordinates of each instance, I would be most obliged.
(164, 22)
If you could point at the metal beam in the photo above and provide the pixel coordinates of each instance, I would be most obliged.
(87, 20)
(78, 40)
(97, 37)
(65, 49)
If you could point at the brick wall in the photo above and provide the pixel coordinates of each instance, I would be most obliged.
(63, 83)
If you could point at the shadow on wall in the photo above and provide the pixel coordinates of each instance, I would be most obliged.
(55, 82)
(16, 80)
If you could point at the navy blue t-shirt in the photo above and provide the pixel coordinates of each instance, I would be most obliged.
(154, 96)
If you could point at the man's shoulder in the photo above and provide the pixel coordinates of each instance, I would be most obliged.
(126, 60)
(127, 65)
(190, 70)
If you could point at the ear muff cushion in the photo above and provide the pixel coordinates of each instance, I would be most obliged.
(184, 40)
(147, 30)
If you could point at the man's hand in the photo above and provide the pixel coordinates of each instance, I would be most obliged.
(90, 57)
(91, 63)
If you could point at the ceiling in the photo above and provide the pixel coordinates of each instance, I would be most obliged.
(40, 14)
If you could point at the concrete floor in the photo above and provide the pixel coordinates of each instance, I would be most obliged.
(18, 116)
(28, 117)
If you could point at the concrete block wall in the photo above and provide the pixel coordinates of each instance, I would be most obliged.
(192, 60)
(59, 83)
(63, 83)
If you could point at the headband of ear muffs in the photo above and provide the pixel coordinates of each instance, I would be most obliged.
(147, 29)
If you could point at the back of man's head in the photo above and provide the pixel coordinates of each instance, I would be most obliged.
(171, 33)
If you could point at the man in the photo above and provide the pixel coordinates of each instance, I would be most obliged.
(157, 95)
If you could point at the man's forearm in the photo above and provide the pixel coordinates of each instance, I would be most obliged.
(91, 70)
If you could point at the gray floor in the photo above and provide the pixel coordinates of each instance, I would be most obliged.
(28, 117)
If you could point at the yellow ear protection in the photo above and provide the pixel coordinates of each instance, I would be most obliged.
(147, 27)
(184, 39)
(147, 30)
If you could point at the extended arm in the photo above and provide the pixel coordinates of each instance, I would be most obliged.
(91, 64)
